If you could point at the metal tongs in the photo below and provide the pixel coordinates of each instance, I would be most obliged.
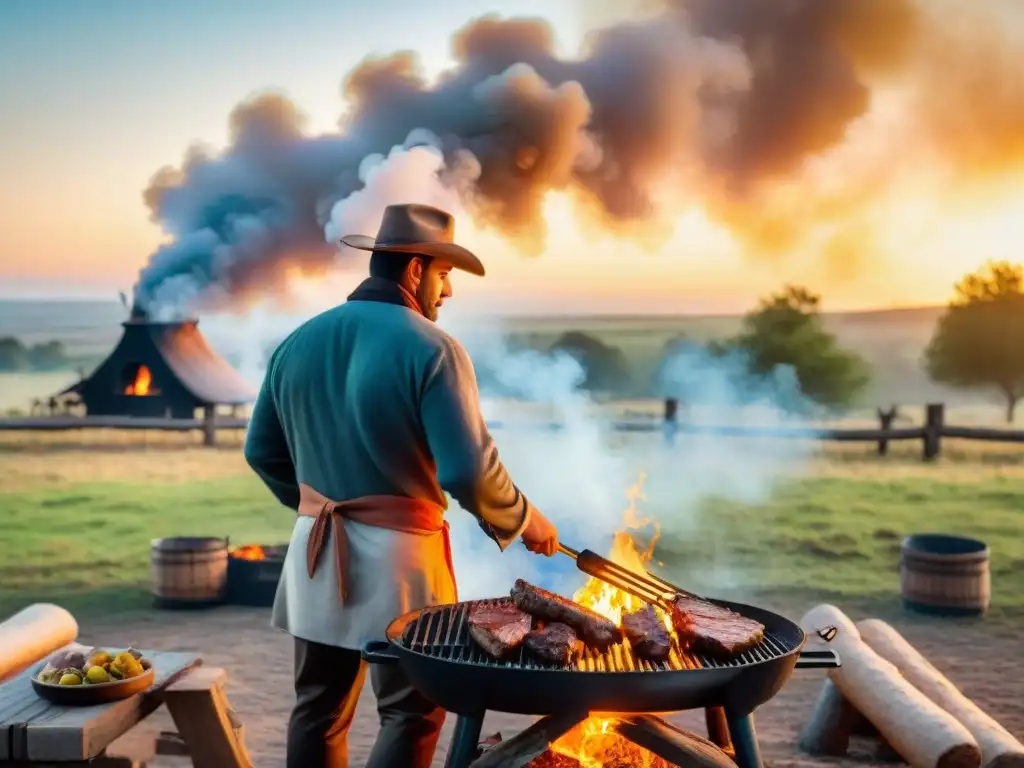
(646, 586)
(662, 594)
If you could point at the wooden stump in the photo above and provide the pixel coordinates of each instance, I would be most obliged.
(832, 723)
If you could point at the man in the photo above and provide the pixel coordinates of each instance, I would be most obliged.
(367, 415)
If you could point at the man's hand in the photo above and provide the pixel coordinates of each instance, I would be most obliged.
(540, 536)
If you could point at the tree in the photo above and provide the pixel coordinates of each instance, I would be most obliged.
(13, 355)
(605, 368)
(786, 329)
(47, 357)
(979, 339)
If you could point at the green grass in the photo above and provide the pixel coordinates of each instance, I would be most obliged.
(87, 545)
(841, 537)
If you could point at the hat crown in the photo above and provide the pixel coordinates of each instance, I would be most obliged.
(414, 223)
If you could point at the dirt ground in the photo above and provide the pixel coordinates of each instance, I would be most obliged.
(982, 657)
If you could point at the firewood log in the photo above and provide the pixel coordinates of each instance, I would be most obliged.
(924, 734)
(832, 723)
(999, 749)
(32, 634)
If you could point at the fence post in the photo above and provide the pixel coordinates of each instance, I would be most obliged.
(670, 424)
(934, 419)
(210, 425)
(886, 419)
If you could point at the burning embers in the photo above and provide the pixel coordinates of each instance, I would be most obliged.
(141, 384)
(249, 552)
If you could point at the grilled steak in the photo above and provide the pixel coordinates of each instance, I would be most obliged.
(647, 634)
(708, 628)
(498, 628)
(595, 629)
(556, 643)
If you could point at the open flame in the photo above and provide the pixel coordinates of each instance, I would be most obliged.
(142, 385)
(248, 552)
(593, 743)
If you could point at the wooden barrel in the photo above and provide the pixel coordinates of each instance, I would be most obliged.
(188, 573)
(945, 575)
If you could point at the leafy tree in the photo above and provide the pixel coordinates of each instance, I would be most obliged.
(47, 357)
(786, 329)
(13, 355)
(605, 367)
(979, 340)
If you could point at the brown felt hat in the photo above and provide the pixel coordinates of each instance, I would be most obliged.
(420, 229)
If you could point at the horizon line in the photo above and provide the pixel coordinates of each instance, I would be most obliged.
(594, 315)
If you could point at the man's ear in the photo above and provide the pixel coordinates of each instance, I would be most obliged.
(415, 270)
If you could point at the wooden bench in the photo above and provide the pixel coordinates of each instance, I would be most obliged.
(35, 733)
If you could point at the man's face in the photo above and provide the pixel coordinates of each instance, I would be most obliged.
(434, 286)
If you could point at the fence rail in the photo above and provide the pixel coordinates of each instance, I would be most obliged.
(930, 434)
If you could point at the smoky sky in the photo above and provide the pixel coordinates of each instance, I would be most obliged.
(710, 101)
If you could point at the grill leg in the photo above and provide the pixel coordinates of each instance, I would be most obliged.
(465, 740)
(718, 729)
(746, 753)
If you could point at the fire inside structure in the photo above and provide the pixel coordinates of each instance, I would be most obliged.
(161, 370)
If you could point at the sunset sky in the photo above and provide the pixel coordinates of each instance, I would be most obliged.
(97, 96)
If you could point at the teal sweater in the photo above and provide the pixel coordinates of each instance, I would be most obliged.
(371, 398)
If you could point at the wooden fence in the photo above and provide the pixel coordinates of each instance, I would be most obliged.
(930, 435)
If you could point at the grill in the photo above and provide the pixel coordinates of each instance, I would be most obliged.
(444, 634)
(434, 649)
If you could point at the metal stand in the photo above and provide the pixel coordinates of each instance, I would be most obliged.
(734, 735)
(746, 753)
(463, 749)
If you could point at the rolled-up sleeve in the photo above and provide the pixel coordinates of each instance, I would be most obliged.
(464, 452)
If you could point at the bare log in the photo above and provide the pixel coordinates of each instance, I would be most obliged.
(999, 749)
(924, 734)
(528, 744)
(32, 634)
(832, 723)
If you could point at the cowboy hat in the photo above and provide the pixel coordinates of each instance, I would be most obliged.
(419, 229)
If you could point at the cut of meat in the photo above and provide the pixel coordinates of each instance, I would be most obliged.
(704, 627)
(595, 629)
(646, 632)
(499, 628)
(554, 644)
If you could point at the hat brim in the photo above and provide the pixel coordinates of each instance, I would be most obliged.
(456, 255)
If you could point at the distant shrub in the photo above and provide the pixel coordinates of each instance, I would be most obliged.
(15, 357)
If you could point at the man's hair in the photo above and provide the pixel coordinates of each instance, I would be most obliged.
(390, 265)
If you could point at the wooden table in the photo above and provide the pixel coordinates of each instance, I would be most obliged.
(34, 732)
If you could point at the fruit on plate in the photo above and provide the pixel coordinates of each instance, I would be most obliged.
(97, 674)
(94, 667)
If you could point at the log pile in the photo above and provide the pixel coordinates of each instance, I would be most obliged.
(887, 690)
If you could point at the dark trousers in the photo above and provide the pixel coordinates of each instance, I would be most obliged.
(328, 681)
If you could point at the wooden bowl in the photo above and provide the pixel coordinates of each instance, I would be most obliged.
(90, 695)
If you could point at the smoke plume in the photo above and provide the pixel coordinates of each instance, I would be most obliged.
(783, 120)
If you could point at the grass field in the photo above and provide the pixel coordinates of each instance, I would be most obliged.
(80, 509)
(77, 523)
